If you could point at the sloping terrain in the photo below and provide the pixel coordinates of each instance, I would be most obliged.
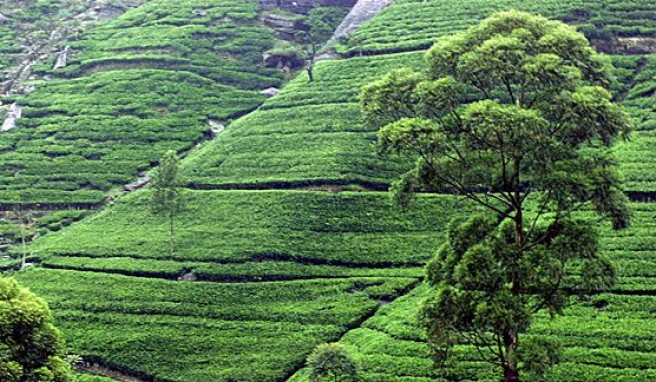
(281, 271)
(140, 85)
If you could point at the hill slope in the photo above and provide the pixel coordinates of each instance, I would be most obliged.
(281, 261)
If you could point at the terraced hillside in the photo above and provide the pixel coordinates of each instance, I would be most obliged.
(279, 271)
(133, 88)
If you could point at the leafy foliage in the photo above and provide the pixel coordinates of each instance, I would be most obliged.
(510, 109)
(165, 198)
(30, 345)
(332, 360)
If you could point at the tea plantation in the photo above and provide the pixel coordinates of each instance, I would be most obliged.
(134, 88)
(287, 238)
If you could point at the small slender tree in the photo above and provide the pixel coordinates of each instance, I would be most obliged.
(319, 27)
(30, 345)
(165, 192)
(514, 115)
(333, 361)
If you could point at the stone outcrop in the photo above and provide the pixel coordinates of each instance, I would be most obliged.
(15, 112)
(638, 45)
(270, 92)
(137, 184)
(282, 60)
(363, 11)
(626, 45)
(62, 58)
(216, 128)
(6, 86)
(304, 6)
(286, 26)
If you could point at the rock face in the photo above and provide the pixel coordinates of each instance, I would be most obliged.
(638, 45)
(270, 92)
(15, 112)
(286, 26)
(362, 12)
(137, 184)
(62, 58)
(304, 6)
(282, 60)
(626, 45)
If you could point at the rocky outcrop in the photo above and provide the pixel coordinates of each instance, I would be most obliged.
(362, 12)
(62, 58)
(286, 26)
(282, 60)
(304, 6)
(216, 128)
(626, 45)
(5, 87)
(137, 184)
(270, 92)
(15, 112)
(638, 45)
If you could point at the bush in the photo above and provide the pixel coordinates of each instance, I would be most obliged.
(30, 347)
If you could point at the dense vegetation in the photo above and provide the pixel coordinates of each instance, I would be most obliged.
(414, 24)
(32, 348)
(281, 272)
(205, 332)
(310, 134)
(142, 84)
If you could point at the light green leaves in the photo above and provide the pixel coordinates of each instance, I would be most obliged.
(30, 347)
(390, 98)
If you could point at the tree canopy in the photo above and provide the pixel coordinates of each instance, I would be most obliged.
(165, 196)
(30, 345)
(332, 361)
(513, 114)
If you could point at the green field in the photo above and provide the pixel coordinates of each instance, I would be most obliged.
(134, 88)
(416, 24)
(287, 228)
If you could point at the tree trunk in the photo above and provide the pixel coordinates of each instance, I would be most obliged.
(310, 70)
(510, 374)
(510, 371)
(172, 233)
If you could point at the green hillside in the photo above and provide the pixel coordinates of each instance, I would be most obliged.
(134, 88)
(287, 230)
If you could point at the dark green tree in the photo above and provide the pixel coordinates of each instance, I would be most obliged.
(166, 193)
(514, 115)
(30, 345)
(332, 361)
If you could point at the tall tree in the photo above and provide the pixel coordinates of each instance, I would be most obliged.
(514, 115)
(166, 194)
(30, 345)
